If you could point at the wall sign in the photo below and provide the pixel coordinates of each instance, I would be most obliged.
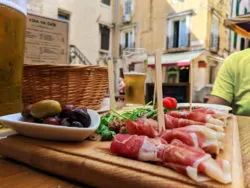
(46, 40)
(202, 64)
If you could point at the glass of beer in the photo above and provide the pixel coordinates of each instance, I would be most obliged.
(12, 38)
(134, 84)
(135, 78)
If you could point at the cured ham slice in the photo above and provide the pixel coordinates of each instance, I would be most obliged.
(175, 122)
(196, 116)
(183, 158)
(143, 126)
(197, 136)
(223, 116)
(192, 135)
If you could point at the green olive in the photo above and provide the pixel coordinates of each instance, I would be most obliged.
(45, 108)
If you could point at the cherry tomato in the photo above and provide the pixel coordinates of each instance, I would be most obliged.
(169, 102)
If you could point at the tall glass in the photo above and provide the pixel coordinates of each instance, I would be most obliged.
(12, 34)
(134, 84)
(135, 76)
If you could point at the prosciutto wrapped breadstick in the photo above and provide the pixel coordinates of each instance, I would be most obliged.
(197, 136)
(175, 122)
(193, 135)
(196, 116)
(223, 116)
(183, 158)
(143, 126)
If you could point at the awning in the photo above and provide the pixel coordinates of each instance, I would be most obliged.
(175, 59)
(240, 25)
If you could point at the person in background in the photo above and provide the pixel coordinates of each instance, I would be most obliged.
(232, 85)
(121, 83)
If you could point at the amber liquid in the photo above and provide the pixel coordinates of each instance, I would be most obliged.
(134, 84)
(12, 32)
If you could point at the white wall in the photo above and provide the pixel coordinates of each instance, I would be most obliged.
(84, 24)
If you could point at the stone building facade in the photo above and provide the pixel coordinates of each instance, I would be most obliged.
(186, 31)
(91, 27)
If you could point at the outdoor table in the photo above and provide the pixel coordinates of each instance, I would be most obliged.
(15, 174)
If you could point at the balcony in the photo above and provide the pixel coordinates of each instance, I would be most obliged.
(178, 43)
(129, 45)
(127, 18)
(214, 42)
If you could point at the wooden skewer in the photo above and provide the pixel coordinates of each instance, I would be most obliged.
(190, 85)
(154, 97)
(158, 86)
(111, 84)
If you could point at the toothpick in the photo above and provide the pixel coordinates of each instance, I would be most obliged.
(190, 86)
(111, 84)
(158, 86)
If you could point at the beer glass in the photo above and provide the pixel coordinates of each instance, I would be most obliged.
(12, 38)
(134, 84)
(135, 77)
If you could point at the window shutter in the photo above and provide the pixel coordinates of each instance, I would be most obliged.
(122, 39)
(128, 7)
(132, 33)
(214, 32)
(183, 38)
(170, 35)
(105, 36)
(132, 6)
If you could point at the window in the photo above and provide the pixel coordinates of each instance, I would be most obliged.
(235, 40)
(106, 2)
(212, 74)
(127, 39)
(184, 74)
(128, 7)
(131, 67)
(214, 36)
(105, 34)
(63, 15)
(242, 44)
(178, 35)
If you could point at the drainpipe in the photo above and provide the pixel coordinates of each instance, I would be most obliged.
(116, 45)
(230, 34)
(116, 42)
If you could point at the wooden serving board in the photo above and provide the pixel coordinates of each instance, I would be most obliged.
(92, 163)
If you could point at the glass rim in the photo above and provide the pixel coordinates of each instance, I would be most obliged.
(15, 6)
(134, 73)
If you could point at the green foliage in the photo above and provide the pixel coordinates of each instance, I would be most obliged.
(145, 111)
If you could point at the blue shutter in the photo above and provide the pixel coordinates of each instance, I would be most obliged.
(183, 34)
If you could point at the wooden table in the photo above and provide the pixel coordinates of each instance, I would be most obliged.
(15, 174)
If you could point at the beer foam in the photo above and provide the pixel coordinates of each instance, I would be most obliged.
(134, 73)
(19, 5)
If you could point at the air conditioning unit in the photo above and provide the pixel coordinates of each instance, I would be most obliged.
(126, 18)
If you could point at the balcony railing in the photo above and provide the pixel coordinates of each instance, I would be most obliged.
(214, 41)
(130, 45)
(180, 42)
(77, 57)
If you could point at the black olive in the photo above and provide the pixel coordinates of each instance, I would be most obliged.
(52, 121)
(66, 110)
(77, 115)
(65, 122)
(38, 120)
(26, 110)
(82, 116)
(76, 124)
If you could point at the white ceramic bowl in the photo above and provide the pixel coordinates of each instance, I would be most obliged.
(51, 132)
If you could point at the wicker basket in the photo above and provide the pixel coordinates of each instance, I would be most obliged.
(82, 86)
